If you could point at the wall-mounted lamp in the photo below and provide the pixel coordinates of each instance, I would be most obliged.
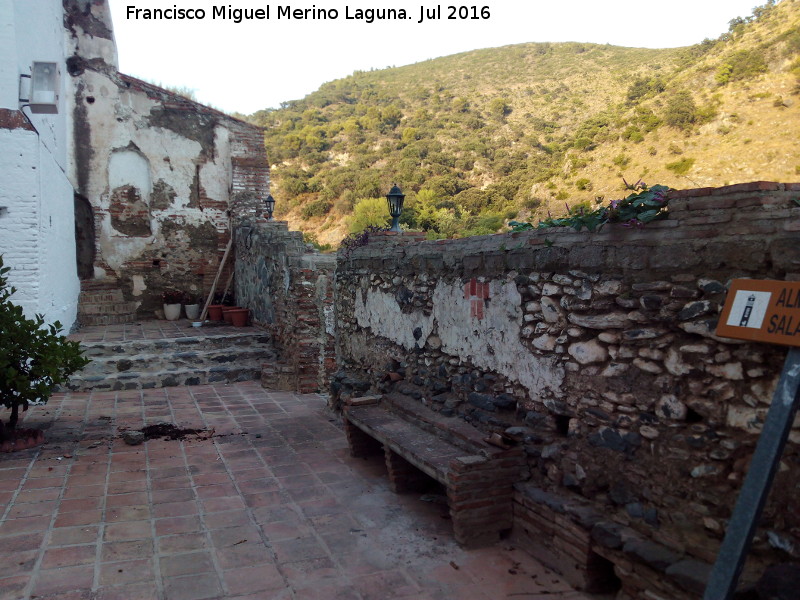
(42, 94)
(395, 199)
(270, 203)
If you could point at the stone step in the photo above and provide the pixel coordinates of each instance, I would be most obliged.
(198, 343)
(114, 319)
(131, 380)
(181, 360)
(96, 296)
(99, 284)
(112, 307)
(164, 362)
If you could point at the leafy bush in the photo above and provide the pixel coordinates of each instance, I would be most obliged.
(369, 212)
(742, 64)
(172, 297)
(681, 111)
(674, 148)
(33, 356)
(643, 87)
(633, 134)
(361, 238)
(621, 160)
(643, 206)
(499, 108)
(484, 224)
(316, 208)
(682, 166)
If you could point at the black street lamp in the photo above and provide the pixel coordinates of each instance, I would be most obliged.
(395, 198)
(270, 202)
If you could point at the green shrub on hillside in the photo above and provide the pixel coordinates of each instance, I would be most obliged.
(644, 87)
(682, 166)
(681, 111)
(499, 108)
(621, 160)
(742, 64)
(316, 208)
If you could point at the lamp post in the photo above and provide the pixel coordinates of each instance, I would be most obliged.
(395, 199)
(270, 202)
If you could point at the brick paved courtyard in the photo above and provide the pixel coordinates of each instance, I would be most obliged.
(269, 506)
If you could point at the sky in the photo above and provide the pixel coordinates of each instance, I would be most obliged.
(258, 63)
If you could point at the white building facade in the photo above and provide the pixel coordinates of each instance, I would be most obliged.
(122, 188)
(37, 227)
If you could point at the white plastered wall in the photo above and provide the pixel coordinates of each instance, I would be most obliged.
(37, 237)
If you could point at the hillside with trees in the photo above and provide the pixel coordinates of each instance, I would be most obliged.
(518, 132)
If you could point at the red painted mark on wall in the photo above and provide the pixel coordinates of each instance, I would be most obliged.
(477, 293)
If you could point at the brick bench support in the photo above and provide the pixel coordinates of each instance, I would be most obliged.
(480, 497)
(361, 444)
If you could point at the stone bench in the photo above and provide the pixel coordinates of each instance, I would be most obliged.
(478, 477)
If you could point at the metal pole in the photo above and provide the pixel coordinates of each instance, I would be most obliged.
(733, 552)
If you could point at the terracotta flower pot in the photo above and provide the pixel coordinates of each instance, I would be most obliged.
(215, 312)
(239, 316)
(226, 310)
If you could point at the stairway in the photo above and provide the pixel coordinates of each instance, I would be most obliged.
(102, 303)
(164, 362)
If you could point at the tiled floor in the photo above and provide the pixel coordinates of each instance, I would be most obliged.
(152, 330)
(271, 506)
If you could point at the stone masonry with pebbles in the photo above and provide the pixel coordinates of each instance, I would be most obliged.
(289, 289)
(597, 352)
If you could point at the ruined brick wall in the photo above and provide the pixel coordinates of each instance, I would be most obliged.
(164, 174)
(597, 351)
(289, 288)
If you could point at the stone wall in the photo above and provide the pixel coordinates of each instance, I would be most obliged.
(598, 353)
(288, 288)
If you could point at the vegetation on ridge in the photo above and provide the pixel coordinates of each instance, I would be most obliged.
(480, 138)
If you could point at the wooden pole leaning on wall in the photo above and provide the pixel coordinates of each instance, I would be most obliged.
(216, 279)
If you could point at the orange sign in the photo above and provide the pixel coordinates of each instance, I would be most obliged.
(762, 311)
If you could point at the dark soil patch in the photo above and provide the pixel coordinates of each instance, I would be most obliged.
(22, 439)
(168, 431)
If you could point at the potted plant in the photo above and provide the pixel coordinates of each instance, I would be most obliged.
(227, 312)
(239, 316)
(215, 312)
(215, 308)
(225, 299)
(33, 359)
(218, 304)
(172, 304)
(192, 306)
